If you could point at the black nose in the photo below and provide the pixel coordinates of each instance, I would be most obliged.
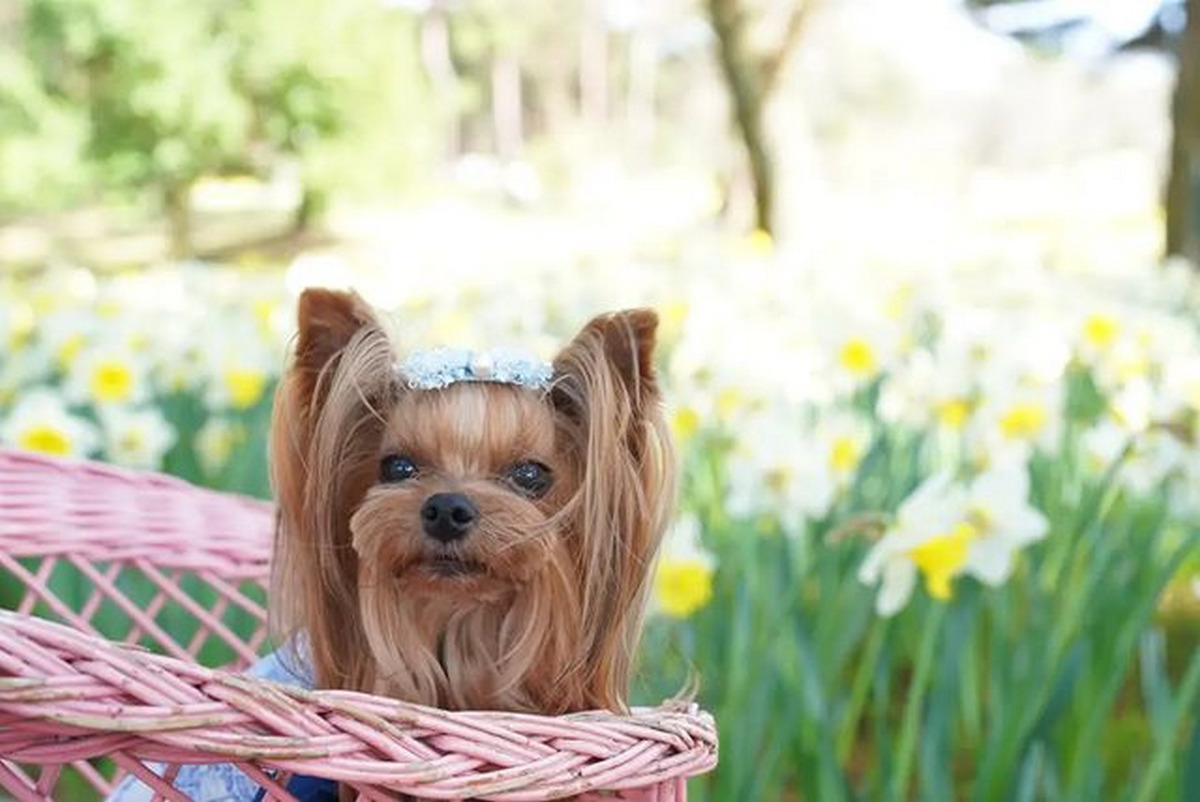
(448, 516)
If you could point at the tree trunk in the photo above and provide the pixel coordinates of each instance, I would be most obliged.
(643, 85)
(438, 60)
(177, 207)
(749, 101)
(507, 107)
(593, 69)
(1183, 186)
(312, 205)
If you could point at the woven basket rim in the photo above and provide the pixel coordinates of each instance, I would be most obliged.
(168, 710)
(68, 696)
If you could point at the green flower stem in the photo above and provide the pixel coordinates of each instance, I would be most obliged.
(1164, 750)
(859, 688)
(906, 746)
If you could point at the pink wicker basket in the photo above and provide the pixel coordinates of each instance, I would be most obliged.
(127, 561)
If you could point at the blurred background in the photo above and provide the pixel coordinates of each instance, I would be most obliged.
(929, 339)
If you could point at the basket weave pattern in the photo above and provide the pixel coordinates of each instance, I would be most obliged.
(122, 559)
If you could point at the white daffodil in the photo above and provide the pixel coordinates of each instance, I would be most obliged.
(857, 355)
(929, 391)
(239, 367)
(1001, 521)
(136, 438)
(1180, 393)
(107, 373)
(64, 335)
(946, 529)
(777, 469)
(215, 443)
(1132, 406)
(17, 325)
(1098, 335)
(926, 538)
(843, 438)
(1155, 457)
(1035, 353)
(40, 422)
(1016, 417)
(1103, 444)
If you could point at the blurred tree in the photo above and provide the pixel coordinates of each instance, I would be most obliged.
(515, 60)
(1053, 24)
(751, 78)
(156, 93)
(1183, 181)
(42, 139)
(156, 83)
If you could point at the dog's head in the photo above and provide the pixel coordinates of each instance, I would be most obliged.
(483, 545)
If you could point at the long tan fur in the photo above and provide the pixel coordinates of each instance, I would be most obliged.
(548, 618)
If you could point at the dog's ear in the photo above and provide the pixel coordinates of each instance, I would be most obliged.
(330, 410)
(613, 353)
(326, 322)
(611, 423)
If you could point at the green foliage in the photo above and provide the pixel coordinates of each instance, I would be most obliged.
(156, 81)
(130, 95)
(1053, 687)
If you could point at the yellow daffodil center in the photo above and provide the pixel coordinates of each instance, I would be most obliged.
(981, 520)
(672, 316)
(683, 586)
(1100, 331)
(130, 441)
(263, 309)
(941, 558)
(685, 422)
(46, 440)
(953, 413)
(728, 402)
(245, 386)
(112, 381)
(1023, 421)
(777, 479)
(69, 349)
(760, 243)
(215, 444)
(21, 326)
(857, 357)
(844, 454)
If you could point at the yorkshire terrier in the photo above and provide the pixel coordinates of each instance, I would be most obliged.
(468, 532)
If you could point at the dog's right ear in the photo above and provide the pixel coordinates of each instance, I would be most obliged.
(325, 432)
(327, 321)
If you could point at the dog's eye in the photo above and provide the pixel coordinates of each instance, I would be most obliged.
(532, 478)
(396, 468)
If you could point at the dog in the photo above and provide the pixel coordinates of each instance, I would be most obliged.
(472, 534)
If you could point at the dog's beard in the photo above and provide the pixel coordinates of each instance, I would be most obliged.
(508, 648)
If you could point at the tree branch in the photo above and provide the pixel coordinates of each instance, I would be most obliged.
(771, 66)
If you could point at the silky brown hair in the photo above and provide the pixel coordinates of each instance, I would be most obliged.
(549, 616)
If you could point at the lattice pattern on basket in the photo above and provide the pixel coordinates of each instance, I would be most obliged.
(120, 554)
(147, 562)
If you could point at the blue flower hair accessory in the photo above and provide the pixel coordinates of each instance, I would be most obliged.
(442, 367)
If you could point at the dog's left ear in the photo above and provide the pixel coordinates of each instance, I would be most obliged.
(610, 361)
(611, 424)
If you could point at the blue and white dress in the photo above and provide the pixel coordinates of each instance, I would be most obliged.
(224, 782)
